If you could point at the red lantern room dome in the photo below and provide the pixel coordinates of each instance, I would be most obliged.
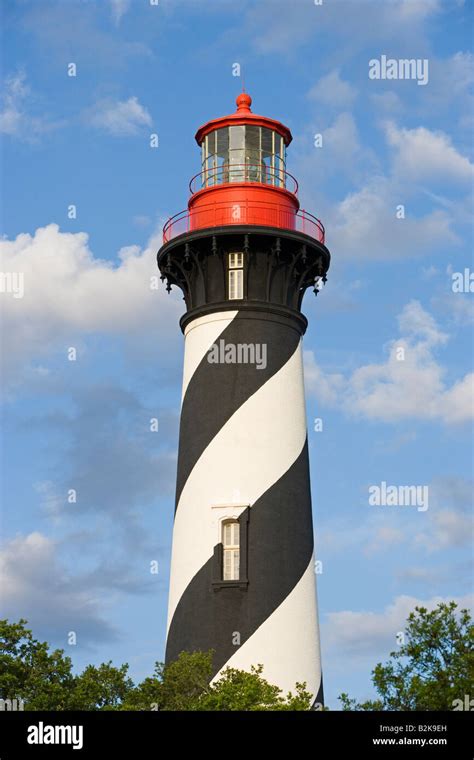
(243, 115)
(243, 178)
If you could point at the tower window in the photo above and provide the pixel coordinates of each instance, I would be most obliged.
(231, 550)
(230, 558)
(236, 275)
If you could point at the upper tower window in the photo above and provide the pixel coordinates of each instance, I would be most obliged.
(243, 153)
(236, 275)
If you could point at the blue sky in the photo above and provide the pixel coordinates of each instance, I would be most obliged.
(85, 424)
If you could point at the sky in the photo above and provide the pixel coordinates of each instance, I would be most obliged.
(92, 350)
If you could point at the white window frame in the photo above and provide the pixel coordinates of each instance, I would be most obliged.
(223, 512)
(231, 550)
(235, 282)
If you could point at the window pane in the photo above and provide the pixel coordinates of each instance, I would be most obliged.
(236, 153)
(282, 162)
(212, 142)
(267, 140)
(253, 159)
(252, 138)
(227, 566)
(237, 135)
(253, 153)
(236, 568)
(231, 568)
(222, 144)
(236, 260)
(236, 283)
(272, 164)
(236, 534)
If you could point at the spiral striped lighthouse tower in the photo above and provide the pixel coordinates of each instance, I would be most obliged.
(243, 253)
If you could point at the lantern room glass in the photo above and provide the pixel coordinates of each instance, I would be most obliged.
(243, 153)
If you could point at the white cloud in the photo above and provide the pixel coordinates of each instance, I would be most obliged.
(364, 634)
(451, 528)
(326, 386)
(368, 223)
(459, 400)
(37, 587)
(69, 293)
(380, 220)
(423, 155)
(412, 388)
(411, 10)
(385, 536)
(15, 93)
(415, 322)
(459, 305)
(447, 524)
(341, 155)
(15, 117)
(341, 144)
(460, 71)
(331, 90)
(365, 224)
(450, 86)
(121, 118)
(119, 8)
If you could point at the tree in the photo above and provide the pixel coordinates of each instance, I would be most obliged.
(185, 685)
(433, 668)
(239, 690)
(177, 686)
(44, 681)
(101, 688)
(30, 672)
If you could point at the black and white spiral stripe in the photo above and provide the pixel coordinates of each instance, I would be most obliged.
(243, 440)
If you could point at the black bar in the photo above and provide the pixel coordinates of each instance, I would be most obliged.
(324, 734)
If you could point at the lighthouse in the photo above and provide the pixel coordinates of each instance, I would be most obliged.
(243, 254)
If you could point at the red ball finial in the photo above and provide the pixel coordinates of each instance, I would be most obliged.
(244, 101)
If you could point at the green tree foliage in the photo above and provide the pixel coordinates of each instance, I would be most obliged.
(433, 668)
(101, 688)
(178, 686)
(185, 685)
(239, 690)
(45, 681)
(30, 672)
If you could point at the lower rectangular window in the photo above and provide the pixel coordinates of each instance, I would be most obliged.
(231, 550)
(236, 283)
(230, 560)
